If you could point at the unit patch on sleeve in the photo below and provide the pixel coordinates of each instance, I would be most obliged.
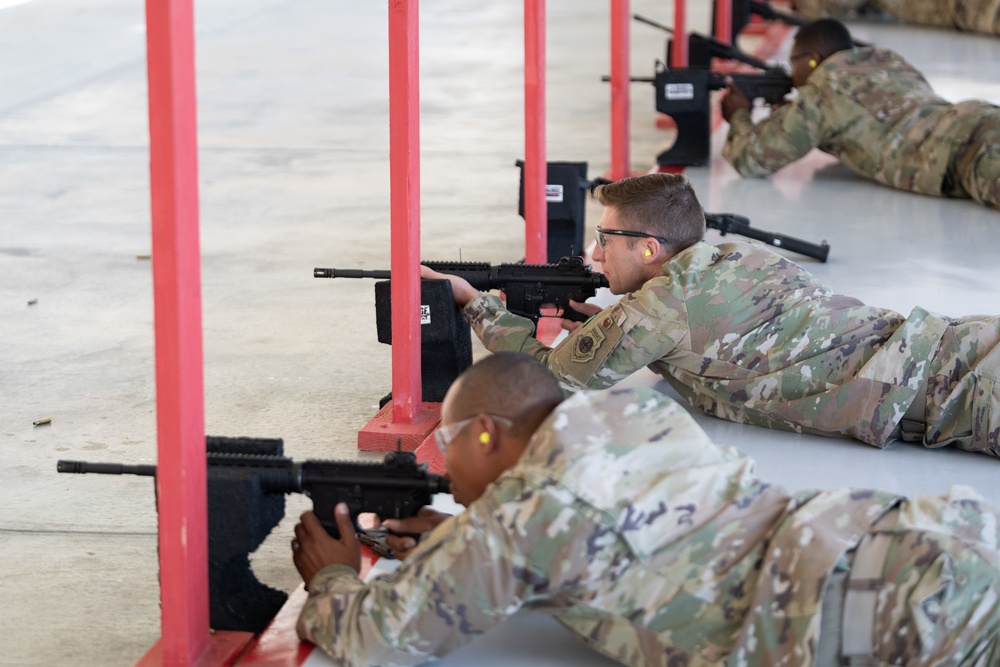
(588, 344)
(587, 350)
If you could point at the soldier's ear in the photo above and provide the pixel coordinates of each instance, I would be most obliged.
(487, 437)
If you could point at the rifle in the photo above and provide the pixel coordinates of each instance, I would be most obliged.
(247, 482)
(684, 93)
(772, 84)
(527, 287)
(742, 9)
(730, 223)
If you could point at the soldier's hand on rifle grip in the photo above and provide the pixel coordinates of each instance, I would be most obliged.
(734, 100)
(313, 548)
(403, 543)
(460, 287)
(587, 309)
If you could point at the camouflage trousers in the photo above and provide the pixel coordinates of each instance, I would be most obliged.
(975, 171)
(963, 388)
(970, 15)
(933, 577)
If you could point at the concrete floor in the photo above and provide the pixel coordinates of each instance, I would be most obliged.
(294, 174)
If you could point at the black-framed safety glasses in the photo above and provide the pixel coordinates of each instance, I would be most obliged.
(601, 241)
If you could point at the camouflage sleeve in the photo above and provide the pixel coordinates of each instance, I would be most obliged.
(815, 9)
(791, 131)
(641, 328)
(501, 330)
(441, 597)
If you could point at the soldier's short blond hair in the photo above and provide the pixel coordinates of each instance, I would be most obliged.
(664, 205)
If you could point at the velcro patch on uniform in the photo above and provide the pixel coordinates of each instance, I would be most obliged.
(582, 356)
(618, 315)
(588, 344)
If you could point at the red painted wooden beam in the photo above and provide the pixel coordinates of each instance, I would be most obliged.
(620, 75)
(181, 485)
(535, 166)
(404, 184)
(679, 52)
(724, 20)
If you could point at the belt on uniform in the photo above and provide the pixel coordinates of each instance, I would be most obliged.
(863, 584)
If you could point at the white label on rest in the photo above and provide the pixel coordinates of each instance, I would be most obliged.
(680, 91)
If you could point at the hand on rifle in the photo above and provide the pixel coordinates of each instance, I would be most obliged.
(313, 548)
(587, 309)
(403, 543)
(734, 100)
(460, 287)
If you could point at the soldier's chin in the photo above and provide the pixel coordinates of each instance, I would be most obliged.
(458, 496)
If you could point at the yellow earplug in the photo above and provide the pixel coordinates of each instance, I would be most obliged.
(812, 63)
(649, 253)
(484, 438)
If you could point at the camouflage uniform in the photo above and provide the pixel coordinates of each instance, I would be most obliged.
(878, 115)
(746, 335)
(691, 561)
(969, 15)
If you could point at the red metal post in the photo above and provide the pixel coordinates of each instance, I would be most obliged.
(535, 166)
(404, 183)
(180, 419)
(679, 52)
(724, 20)
(620, 75)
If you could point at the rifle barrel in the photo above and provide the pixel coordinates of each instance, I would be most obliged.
(643, 19)
(350, 273)
(105, 468)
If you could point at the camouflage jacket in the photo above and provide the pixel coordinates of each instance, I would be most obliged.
(874, 112)
(746, 335)
(971, 15)
(692, 561)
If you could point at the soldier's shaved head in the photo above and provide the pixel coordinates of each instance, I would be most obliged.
(825, 37)
(508, 384)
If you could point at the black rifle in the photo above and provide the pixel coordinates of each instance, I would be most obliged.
(396, 488)
(730, 223)
(527, 287)
(684, 95)
(742, 9)
(247, 482)
(702, 48)
(772, 84)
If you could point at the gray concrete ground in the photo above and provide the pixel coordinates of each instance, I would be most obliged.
(293, 133)
(293, 136)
